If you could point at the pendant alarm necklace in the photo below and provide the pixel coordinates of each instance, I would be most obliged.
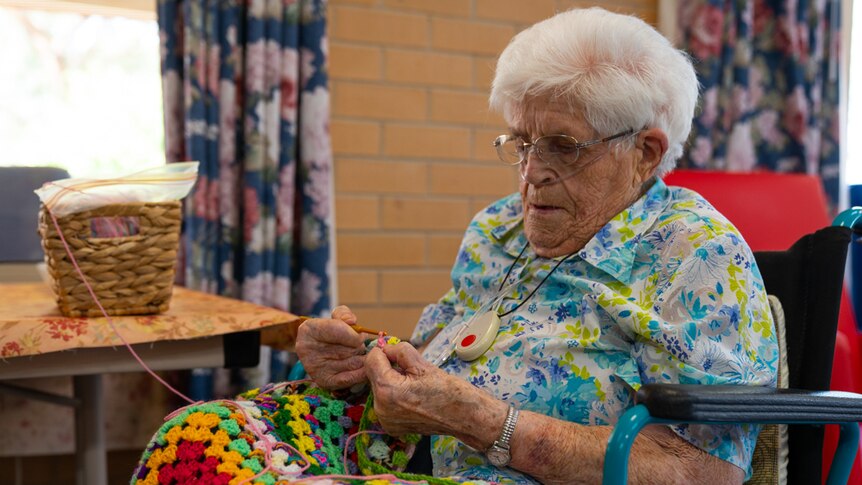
(482, 330)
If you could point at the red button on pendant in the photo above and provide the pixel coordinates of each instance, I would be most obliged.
(468, 340)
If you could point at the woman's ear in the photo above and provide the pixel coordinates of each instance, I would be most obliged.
(652, 145)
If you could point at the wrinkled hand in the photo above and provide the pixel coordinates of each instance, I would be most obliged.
(417, 397)
(331, 352)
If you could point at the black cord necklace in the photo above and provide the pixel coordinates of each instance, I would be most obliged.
(509, 272)
(481, 330)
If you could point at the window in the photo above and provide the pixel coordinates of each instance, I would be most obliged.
(80, 91)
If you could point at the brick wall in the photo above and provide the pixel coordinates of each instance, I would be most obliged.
(411, 134)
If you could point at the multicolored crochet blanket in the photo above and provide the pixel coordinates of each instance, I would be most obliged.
(287, 433)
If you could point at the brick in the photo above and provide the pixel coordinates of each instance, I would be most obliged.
(646, 13)
(354, 2)
(483, 145)
(355, 137)
(421, 287)
(374, 26)
(357, 212)
(563, 5)
(480, 203)
(483, 72)
(443, 249)
(446, 7)
(426, 142)
(645, 9)
(398, 321)
(381, 177)
(467, 36)
(358, 287)
(400, 213)
(463, 107)
(515, 10)
(379, 101)
(428, 68)
(358, 250)
(355, 62)
(619, 4)
(472, 179)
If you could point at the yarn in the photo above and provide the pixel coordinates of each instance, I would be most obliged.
(289, 433)
(236, 442)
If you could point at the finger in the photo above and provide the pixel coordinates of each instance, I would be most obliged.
(331, 373)
(405, 355)
(333, 332)
(347, 363)
(344, 314)
(344, 380)
(377, 366)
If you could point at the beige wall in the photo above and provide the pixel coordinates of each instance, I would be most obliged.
(412, 135)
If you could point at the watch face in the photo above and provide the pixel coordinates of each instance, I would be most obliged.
(498, 457)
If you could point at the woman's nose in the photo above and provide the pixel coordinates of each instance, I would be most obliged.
(535, 171)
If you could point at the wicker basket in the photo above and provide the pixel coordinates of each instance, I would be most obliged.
(130, 274)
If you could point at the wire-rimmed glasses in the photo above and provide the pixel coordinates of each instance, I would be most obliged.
(555, 150)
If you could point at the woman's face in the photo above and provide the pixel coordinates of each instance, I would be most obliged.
(561, 214)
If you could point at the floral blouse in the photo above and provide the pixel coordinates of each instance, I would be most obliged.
(667, 291)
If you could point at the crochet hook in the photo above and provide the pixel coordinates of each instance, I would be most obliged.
(356, 328)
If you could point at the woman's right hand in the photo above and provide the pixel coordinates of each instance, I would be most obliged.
(332, 353)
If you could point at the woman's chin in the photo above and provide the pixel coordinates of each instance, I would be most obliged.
(545, 243)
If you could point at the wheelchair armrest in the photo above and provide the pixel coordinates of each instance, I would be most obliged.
(748, 404)
(680, 403)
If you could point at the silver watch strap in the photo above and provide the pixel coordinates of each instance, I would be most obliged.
(508, 428)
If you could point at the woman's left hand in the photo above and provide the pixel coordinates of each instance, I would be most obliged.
(405, 398)
(417, 397)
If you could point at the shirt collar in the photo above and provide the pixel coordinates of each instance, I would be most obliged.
(613, 248)
(510, 232)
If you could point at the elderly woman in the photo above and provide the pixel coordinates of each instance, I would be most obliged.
(592, 280)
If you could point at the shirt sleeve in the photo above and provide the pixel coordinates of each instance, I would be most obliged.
(434, 317)
(706, 320)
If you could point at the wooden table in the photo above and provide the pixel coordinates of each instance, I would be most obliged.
(199, 330)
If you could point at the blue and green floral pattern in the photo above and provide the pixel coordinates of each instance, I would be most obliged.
(667, 291)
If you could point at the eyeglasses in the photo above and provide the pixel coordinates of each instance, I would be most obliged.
(555, 150)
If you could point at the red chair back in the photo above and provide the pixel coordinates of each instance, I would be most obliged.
(771, 210)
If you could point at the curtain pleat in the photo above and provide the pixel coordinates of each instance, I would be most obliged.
(246, 94)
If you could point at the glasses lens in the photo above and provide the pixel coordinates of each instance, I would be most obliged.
(558, 149)
(510, 150)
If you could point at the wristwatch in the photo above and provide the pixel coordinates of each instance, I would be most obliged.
(498, 454)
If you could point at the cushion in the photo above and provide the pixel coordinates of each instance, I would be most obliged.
(769, 462)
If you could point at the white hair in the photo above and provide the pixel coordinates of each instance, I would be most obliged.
(620, 71)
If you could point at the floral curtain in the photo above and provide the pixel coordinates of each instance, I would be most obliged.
(246, 93)
(770, 76)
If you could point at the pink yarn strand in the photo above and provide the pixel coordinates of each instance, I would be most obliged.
(267, 452)
(105, 313)
(259, 434)
(389, 477)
